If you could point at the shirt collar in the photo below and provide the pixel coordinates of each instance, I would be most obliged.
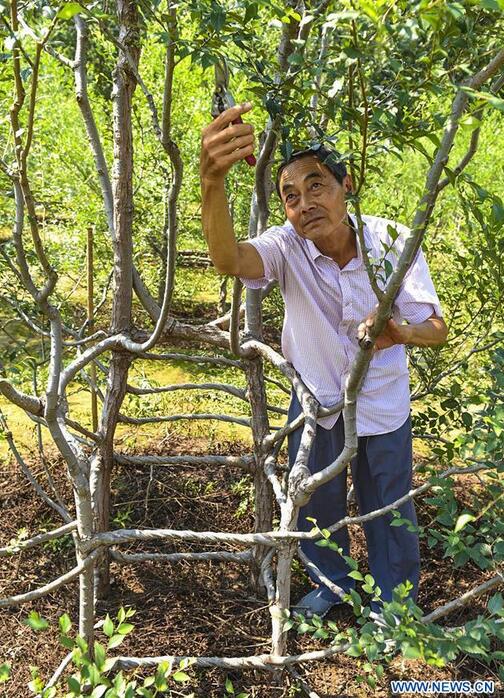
(314, 251)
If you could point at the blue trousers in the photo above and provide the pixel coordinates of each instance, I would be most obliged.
(381, 473)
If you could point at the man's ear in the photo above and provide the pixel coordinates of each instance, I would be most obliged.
(348, 185)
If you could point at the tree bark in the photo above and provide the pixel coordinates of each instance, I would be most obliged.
(263, 497)
(124, 87)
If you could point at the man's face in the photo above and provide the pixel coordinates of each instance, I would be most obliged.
(313, 199)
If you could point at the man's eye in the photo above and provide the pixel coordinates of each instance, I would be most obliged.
(316, 184)
(289, 197)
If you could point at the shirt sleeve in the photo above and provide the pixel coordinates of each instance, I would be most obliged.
(417, 299)
(272, 246)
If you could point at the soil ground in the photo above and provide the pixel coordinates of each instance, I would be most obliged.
(204, 608)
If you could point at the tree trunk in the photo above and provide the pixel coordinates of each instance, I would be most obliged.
(124, 86)
(263, 496)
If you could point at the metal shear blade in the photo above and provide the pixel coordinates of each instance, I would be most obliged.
(222, 97)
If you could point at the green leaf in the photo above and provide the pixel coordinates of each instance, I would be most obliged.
(229, 685)
(397, 522)
(69, 10)
(115, 641)
(496, 603)
(353, 564)
(74, 685)
(99, 655)
(371, 681)
(98, 691)
(467, 419)
(108, 626)
(295, 59)
(471, 646)
(456, 9)
(5, 670)
(94, 674)
(354, 651)
(36, 622)
(217, 17)
(355, 574)
(65, 623)
(67, 642)
(109, 663)
(251, 12)
(462, 521)
(125, 628)
(491, 5)
(181, 676)
(491, 99)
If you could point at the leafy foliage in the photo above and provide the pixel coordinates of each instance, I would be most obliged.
(94, 673)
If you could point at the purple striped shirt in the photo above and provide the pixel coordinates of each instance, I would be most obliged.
(323, 308)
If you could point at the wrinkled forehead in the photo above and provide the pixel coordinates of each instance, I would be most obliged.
(297, 170)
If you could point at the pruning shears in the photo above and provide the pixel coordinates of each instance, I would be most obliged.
(223, 99)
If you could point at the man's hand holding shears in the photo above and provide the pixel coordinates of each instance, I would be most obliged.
(227, 139)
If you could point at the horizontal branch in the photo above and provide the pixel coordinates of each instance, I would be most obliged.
(225, 387)
(19, 599)
(177, 417)
(132, 535)
(246, 462)
(220, 556)
(261, 661)
(20, 545)
(269, 538)
(268, 661)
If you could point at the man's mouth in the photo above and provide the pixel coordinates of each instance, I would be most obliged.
(312, 220)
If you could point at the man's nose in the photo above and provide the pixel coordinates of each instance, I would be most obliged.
(306, 202)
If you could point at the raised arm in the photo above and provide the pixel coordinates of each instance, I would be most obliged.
(222, 144)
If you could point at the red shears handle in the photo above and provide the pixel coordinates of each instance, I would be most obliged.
(250, 159)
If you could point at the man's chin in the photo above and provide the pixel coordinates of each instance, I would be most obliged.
(312, 233)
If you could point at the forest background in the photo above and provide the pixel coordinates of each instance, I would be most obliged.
(407, 59)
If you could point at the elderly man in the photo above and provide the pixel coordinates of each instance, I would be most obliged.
(317, 260)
